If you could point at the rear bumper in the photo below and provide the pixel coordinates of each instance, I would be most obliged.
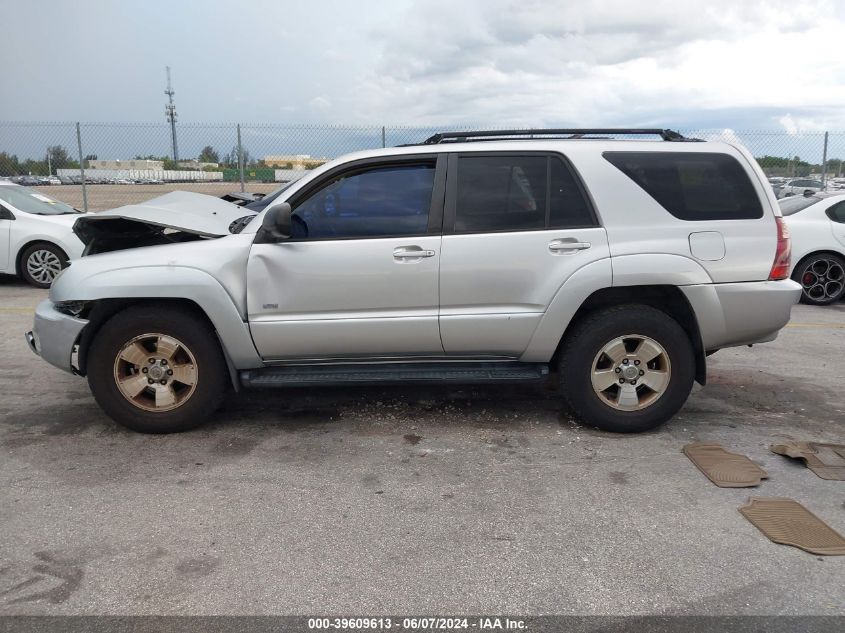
(741, 313)
(54, 335)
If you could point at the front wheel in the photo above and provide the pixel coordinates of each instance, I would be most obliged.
(157, 369)
(41, 263)
(627, 369)
(822, 279)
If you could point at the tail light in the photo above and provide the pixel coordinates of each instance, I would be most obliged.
(783, 254)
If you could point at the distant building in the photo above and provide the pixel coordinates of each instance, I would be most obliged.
(296, 161)
(151, 165)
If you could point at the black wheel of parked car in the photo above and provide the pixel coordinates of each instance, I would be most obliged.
(626, 369)
(41, 262)
(822, 278)
(157, 369)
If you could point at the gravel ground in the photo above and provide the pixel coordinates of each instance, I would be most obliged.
(413, 500)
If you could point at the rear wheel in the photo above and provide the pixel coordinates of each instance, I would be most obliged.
(157, 369)
(41, 263)
(627, 369)
(822, 278)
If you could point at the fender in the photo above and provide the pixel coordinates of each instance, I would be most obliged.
(624, 270)
(172, 282)
(566, 302)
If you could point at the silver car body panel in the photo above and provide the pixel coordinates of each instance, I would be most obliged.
(211, 273)
(495, 287)
(344, 298)
(741, 313)
(54, 335)
(178, 210)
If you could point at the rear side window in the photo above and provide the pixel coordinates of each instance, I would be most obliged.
(517, 193)
(692, 185)
(837, 212)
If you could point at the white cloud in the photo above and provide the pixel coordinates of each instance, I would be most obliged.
(605, 62)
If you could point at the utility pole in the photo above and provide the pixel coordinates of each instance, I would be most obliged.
(170, 115)
(49, 166)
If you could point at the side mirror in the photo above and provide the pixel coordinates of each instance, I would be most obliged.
(275, 226)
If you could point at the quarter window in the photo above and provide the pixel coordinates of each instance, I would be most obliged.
(383, 201)
(692, 185)
(517, 193)
(837, 212)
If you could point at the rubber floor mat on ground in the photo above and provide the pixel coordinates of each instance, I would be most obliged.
(826, 460)
(723, 468)
(787, 522)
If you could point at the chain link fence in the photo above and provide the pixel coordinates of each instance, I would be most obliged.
(97, 166)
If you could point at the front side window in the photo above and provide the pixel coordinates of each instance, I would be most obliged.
(692, 185)
(517, 193)
(377, 202)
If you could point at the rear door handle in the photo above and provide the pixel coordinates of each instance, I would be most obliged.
(557, 246)
(411, 252)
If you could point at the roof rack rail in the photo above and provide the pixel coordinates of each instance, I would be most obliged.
(481, 135)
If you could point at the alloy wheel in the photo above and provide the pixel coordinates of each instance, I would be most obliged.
(43, 266)
(631, 372)
(155, 372)
(823, 279)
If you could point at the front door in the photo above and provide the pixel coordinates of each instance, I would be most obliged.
(358, 279)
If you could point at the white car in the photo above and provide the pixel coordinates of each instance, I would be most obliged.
(817, 226)
(798, 186)
(36, 234)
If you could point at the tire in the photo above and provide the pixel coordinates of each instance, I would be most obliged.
(41, 262)
(638, 407)
(180, 343)
(822, 278)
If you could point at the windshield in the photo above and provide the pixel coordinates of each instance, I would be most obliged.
(30, 201)
(788, 206)
(260, 205)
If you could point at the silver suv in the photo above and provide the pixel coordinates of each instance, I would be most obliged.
(615, 266)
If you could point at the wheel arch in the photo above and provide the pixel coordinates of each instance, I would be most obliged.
(666, 298)
(98, 312)
(823, 251)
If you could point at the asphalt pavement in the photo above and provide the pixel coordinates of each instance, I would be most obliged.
(435, 500)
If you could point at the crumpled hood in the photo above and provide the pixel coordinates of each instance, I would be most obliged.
(186, 211)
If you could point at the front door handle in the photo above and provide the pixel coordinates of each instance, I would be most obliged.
(565, 245)
(411, 252)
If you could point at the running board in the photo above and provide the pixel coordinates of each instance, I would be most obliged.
(381, 373)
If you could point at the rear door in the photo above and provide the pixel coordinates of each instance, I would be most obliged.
(516, 227)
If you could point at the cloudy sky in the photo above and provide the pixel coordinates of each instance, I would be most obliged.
(709, 64)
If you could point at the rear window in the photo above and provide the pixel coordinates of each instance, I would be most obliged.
(692, 186)
(788, 206)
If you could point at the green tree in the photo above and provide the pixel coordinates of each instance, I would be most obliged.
(208, 155)
(58, 157)
(9, 165)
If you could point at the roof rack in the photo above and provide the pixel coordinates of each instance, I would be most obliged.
(570, 133)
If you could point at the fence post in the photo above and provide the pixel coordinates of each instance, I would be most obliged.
(81, 168)
(824, 162)
(383, 143)
(241, 159)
